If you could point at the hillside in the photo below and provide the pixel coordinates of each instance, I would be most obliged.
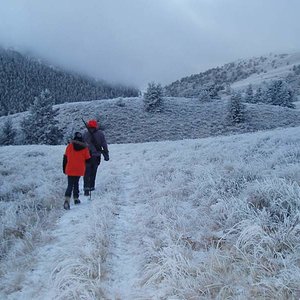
(239, 74)
(125, 121)
(180, 119)
(22, 78)
(213, 218)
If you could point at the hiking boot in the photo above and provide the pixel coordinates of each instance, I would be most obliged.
(67, 203)
(86, 193)
(76, 201)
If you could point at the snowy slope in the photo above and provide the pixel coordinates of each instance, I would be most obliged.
(125, 121)
(239, 74)
(279, 70)
(193, 219)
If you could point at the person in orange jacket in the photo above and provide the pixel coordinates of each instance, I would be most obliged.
(74, 165)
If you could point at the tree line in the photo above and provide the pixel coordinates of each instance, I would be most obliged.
(277, 92)
(24, 78)
(40, 126)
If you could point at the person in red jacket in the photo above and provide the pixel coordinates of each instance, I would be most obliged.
(75, 158)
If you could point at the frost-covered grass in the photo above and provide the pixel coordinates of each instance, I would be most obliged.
(223, 217)
(297, 104)
(125, 121)
(31, 191)
(211, 218)
(274, 67)
(77, 266)
(180, 118)
(30, 188)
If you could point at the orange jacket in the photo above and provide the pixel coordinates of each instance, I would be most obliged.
(76, 159)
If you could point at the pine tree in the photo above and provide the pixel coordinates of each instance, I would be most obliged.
(40, 127)
(279, 93)
(258, 97)
(236, 109)
(249, 94)
(228, 90)
(204, 96)
(268, 94)
(8, 133)
(285, 96)
(153, 98)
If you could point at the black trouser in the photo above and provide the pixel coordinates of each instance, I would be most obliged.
(90, 173)
(73, 185)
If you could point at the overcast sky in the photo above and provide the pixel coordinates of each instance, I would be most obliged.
(138, 41)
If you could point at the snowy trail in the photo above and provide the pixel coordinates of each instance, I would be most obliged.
(38, 283)
(58, 261)
(126, 263)
(125, 242)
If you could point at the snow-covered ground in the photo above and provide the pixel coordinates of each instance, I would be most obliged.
(125, 121)
(281, 68)
(211, 218)
(257, 79)
(297, 104)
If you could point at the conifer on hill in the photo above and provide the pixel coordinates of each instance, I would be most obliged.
(249, 94)
(204, 96)
(236, 109)
(153, 97)
(8, 133)
(40, 127)
(279, 93)
(258, 96)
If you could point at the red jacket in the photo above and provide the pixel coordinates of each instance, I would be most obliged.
(75, 156)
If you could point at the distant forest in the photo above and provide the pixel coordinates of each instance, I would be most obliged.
(216, 80)
(24, 78)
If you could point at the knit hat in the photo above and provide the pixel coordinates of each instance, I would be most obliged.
(92, 124)
(78, 136)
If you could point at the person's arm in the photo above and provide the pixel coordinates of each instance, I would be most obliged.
(87, 155)
(105, 148)
(65, 160)
(102, 141)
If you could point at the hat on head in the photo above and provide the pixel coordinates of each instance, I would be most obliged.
(92, 124)
(78, 136)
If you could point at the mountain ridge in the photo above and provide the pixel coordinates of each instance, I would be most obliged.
(22, 78)
(217, 79)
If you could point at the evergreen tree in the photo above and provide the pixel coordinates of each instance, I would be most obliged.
(8, 133)
(279, 93)
(289, 99)
(40, 127)
(258, 97)
(249, 94)
(285, 96)
(204, 96)
(236, 109)
(153, 97)
(228, 90)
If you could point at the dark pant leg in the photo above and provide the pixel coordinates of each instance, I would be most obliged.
(87, 176)
(76, 187)
(69, 187)
(91, 172)
(94, 171)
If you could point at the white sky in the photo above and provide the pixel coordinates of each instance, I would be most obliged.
(137, 41)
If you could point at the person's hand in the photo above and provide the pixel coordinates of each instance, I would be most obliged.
(106, 156)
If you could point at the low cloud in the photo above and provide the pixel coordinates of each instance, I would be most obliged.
(137, 41)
